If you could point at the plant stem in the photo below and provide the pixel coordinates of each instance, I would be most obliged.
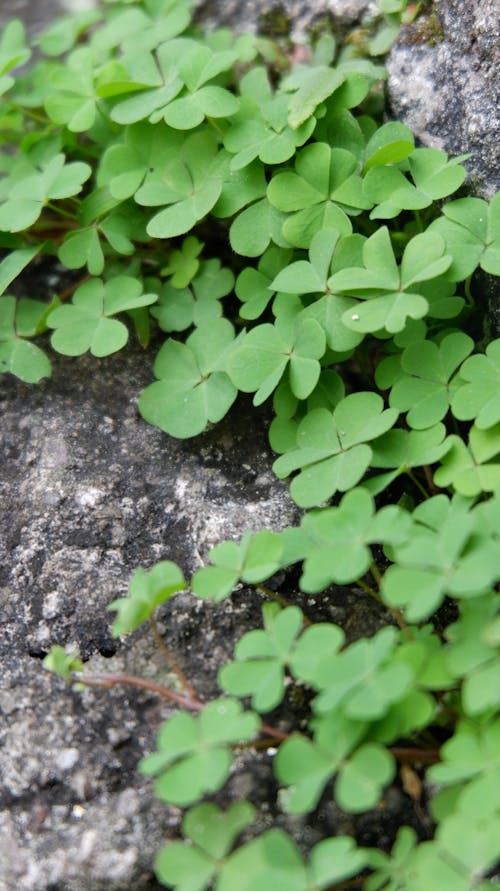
(273, 595)
(416, 482)
(172, 661)
(429, 756)
(106, 681)
(69, 291)
(59, 210)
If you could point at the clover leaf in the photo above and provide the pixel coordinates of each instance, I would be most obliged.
(253, 286)
(471, 230)
(308, 765)
(471, 467)
(268, 862)
(262, 357)
(62, 663)
(72, 100)
(199, 99)
(147, 591)
(423, 389)
(392, 142)
(445, 555)
(86, 323)
(261, 658)
(254, 559)
(187, 183)
(324, 187)
(183, 264)
(194, 757)
(193, 387)
(18, 356)
(124, 165)
(179, 308)
(473, 653)
(30, 193)
(310, 85)
(209, 836)
(434, 177)
(390, 294)
(477, 389)
(332, 450)
(390, 872)
(261, 129)
(13, 52)
(339, 539)
(255, 227)
(473, 753)
(362, 680)
(404, 449)
(150, 83)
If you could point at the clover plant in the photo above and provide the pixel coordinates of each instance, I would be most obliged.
(239, 205)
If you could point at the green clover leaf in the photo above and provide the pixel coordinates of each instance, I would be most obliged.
(470, 467)
(434, 177)
(124, 166)
(258, 364)
(30, 193)
(268, 862)
(193, 757)
(196, 67)
(390, 294)
(62, 663)
(183, 264)
(179, 308)
(193, 387)
(261, 658)
(332, 449)
(23, 359)
(445, 555)
(471, 230)
(473, 753)
(150, 83)
(210, 834)
(253, 286)
(477, 389)
(147, 591)
(362, 681)
(473, 654)
(261, 129)
(390, 872)
(339, 539)
(13, 52)
(307, 766)
(85, 323)
(188, 184)
(423, 389)
(391, 143)
(255, 227)
(310, 86)
(72, 100)
(404, 449)
(254, 559)
(324, 187)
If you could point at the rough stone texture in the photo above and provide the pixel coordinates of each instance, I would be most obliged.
(40, 13)
(88, 492)
(300, 13)
(444, 83)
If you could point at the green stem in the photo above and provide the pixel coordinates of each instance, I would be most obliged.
(40, 119)
(418, 220)
(416, 482)
(59, 210)
(273, 595)
(467, 290)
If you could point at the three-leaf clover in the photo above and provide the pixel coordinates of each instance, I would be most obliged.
(434, 177)
(29, 193)
(194, 756)
(445, 555)
(261, 657)
(332, 451)
(200, 99)
(61, 662)
(307, 765)
(255, 558)
(253, 286)
(472, 467)
(259, 362)
(473, 653)
(423, 388)
(24, 359)
(390, 293)
(13, 52)
(477, 389)
(339, 538)
(324, 186)
(180, 307)
(261, 129)
(193, 387)
(187, 183)
(471, 230)
(210, 834)
(87, 324)
(147, 591)
(403, 450)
